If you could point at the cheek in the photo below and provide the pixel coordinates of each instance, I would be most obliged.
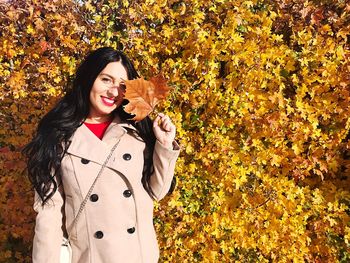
(97, 88)
(94, 93)
(92, 97)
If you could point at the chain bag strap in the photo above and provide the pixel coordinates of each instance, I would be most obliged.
(82, 206)
(66, 250)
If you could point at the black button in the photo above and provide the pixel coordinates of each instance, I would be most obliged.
(94, 197)
(127, 156)
(131, 230)
(84, 161)
(127, 193)
(99, 234)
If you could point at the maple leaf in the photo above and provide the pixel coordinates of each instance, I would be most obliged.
(144, 95)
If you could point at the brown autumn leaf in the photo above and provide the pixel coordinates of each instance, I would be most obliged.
(143, 95)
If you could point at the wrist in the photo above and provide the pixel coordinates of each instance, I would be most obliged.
(166, 144)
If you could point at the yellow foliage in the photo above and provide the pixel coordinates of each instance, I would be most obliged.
(261, 104)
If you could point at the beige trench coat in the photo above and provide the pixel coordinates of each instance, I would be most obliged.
(116, 224)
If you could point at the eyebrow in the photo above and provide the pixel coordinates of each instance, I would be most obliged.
(107, 75)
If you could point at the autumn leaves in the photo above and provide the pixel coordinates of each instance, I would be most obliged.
(144, 95)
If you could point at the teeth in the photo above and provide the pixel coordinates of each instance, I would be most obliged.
(109, 100)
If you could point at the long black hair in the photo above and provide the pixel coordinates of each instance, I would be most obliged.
(45, 152)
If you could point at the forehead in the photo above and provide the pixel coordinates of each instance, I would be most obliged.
(115, 70)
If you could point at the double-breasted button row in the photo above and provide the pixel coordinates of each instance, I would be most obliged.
(99, 234)
(94, 197)
(126, 157)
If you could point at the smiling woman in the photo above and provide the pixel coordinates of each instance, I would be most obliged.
(107, 92)
(88, 136)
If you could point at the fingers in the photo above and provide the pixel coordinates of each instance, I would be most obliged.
(156, 120)
(164, 122)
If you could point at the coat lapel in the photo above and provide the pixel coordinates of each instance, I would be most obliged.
(85, 144)
(115, 131)
(127, 159)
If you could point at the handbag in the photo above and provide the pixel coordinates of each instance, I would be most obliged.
(66, 249)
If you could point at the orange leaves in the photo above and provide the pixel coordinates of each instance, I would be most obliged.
(37, 34)
(144, 95)
(264, 99)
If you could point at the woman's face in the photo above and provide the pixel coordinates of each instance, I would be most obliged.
(106, 92)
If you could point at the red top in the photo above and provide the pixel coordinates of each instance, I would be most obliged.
(98, 128)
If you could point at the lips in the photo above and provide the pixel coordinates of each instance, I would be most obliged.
(108, 101)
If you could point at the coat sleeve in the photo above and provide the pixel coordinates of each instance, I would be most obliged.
(164, 160)
(48, 228)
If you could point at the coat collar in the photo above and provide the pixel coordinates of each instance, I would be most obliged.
(86, 145)
(115, 130)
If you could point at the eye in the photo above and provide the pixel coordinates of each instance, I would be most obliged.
(122, 86)
(106, 80)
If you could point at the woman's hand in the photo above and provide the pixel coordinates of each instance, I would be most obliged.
(164, 130)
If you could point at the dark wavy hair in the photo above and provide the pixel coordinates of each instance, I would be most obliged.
(46, 150)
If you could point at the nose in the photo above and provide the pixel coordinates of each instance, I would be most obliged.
(113, 91)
